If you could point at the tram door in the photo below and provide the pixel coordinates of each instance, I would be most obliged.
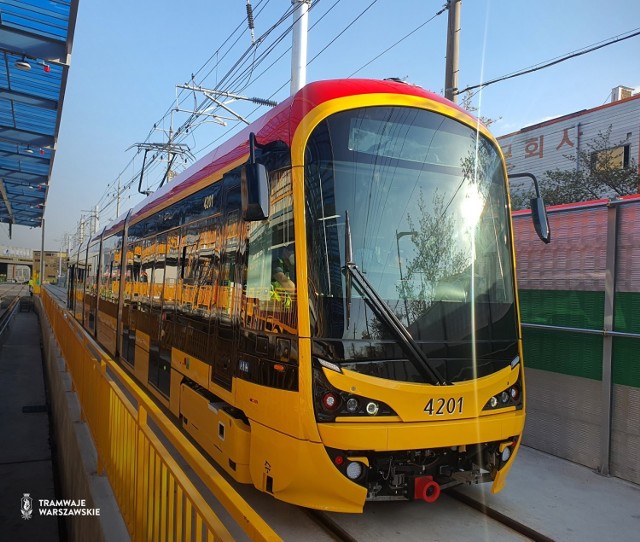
(71, 287)
(159, 362)
(128, 346)
(133, 298)
(230, 287)
(168, 308)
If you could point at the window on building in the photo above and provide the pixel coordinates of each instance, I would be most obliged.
(609, 159)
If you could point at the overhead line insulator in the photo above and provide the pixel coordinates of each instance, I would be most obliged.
(250, 21)
(262, 101)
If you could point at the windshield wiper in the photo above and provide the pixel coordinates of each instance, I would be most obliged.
(416, 356)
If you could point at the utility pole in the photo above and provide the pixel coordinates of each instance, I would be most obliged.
(299, 47)
(453, 43)
(118, 198)
(97, 219)
(42, 257)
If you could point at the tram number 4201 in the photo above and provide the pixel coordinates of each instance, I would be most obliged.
(442, 406)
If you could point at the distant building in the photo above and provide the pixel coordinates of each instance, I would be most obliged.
(15, 264)
(55, 265)
(547, 145)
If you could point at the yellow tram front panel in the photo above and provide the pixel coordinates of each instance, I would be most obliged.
(427, 403)
(300, 472)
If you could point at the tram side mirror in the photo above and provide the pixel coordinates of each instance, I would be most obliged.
(255, 192)
(540, 220)
(538, 210)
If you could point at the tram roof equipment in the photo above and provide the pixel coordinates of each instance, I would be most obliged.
(35, 46)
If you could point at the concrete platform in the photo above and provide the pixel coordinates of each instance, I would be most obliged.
(26, 459)
(565, 501)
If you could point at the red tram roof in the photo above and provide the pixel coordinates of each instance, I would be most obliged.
(279, 123)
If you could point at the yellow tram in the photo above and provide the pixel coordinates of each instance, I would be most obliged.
(327, 302)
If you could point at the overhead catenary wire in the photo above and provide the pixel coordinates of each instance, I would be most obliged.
(242, 74)
(246, 72)
(235, 83)
(344, 30)
(236, 73)
(400, 41)
(557, 60)
(107, 200)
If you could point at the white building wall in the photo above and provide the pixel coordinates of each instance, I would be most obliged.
(549, 145)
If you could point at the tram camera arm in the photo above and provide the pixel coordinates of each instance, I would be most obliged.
(254, 187)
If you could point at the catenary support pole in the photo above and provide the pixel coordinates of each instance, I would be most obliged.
(42, 257)
(453, 43)
(299, 48)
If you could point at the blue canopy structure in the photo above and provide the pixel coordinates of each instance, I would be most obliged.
(35, 50)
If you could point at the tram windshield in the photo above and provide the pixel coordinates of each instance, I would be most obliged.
(426, 201)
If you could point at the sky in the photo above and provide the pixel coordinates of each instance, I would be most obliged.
(128, 57)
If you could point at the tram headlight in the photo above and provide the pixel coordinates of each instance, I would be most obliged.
(352, 405)
(515, 393)
(506, 454)
(330, 401)
(505, 451)
(509, 397)
(354, 470)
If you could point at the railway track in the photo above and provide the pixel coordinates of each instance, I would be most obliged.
(433, 524)
(498, 516)
(8, 290)
(9, 298)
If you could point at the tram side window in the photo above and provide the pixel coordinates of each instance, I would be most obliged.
(146, 269)
(91, 285)
(134, 271)
(197, 287)
(156, 253)
(92, 270)
(110, 272)
(227, 279)
(128, 273)
(270, 282)
(201, 255)
(171, 268)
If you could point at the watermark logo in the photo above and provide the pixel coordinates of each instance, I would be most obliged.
(59, 507)
(26, 506)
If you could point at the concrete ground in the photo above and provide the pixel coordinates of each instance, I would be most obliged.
(26, 459)
(565, 501)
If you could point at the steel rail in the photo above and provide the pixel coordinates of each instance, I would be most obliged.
(328, 525)
(8, 314)
(501, 518)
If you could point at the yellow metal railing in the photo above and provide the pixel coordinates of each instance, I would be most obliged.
(156, 498)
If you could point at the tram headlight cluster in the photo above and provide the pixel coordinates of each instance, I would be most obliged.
(354, 470)
(509, 397)
(331, 403)
(351, 464)
(505, 451)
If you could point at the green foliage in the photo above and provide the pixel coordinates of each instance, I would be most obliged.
(437, 254)
(466, 102)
